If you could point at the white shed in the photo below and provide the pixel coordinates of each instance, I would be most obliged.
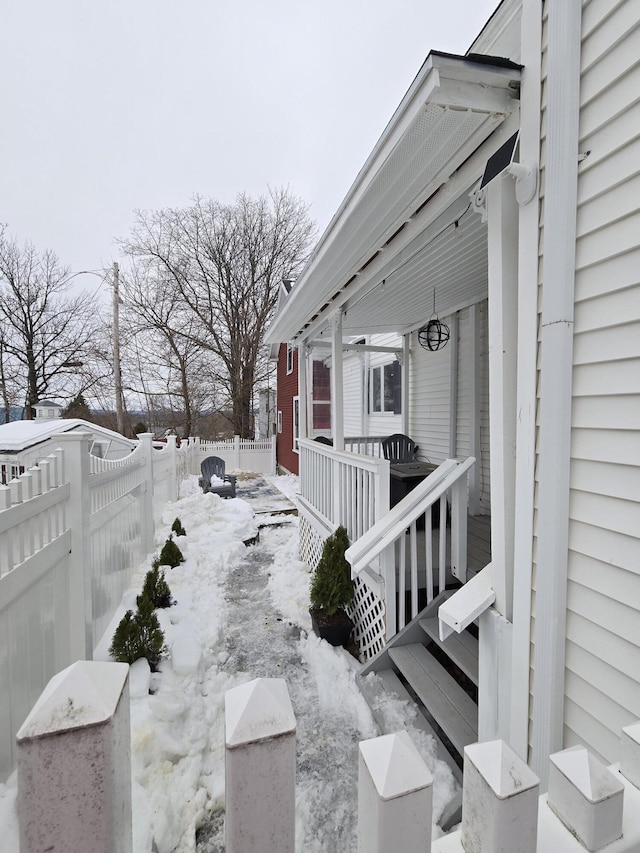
(24, 443)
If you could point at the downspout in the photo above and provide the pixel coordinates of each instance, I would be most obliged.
(558, 274)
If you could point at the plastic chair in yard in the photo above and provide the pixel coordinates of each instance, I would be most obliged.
(399, 448)
(215, 480)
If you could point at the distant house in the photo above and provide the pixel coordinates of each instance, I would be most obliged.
(288, 404)
(501, 205)
(24, 443)
(47, 410)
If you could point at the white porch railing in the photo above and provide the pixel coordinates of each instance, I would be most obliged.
(365, 445)
(387, 551)
(342, 487)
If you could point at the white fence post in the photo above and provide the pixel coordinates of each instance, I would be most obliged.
(173, 484)
(236, 452)
(148, 526)
(76, 471)
(586, 796)
(260, 768)
(500, 800)
(274, 462)
(630, 753)
(395, 796)
(74, 764)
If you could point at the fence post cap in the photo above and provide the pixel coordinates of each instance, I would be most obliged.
(501, 767)
(258, 710)
(588, 775)
(395, 765)
(84, 694)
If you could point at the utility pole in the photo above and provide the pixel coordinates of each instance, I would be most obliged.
(116, 349)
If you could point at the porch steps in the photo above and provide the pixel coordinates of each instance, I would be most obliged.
(461, 648)
(441, 677)
(451, 708)
(387, 682)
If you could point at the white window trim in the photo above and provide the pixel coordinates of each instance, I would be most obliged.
(289, 359)
(296, 423)
(279, 427)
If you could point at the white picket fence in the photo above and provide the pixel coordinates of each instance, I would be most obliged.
(71, 531)
(241, 454)
(588, 806)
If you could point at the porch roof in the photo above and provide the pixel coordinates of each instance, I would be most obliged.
(379, 233)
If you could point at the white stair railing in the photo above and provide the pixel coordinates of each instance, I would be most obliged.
(387, 551)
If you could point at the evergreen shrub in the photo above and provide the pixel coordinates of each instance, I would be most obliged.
(177, 528)
(138, 635)
(170, 555)
(156, 589)
(331, 585)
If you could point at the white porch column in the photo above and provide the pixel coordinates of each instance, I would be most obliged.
(453, 385)
(337, 398)
(503, 359)
(474, 408)
(74, 763)
(260, 768)
(303, 391)
(406, 374)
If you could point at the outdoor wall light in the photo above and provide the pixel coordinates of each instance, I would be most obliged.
(435, 334)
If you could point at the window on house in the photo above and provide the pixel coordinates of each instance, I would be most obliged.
(385, 388)
(321, 404)
(296, 422)
(289, 358)
(279, 422)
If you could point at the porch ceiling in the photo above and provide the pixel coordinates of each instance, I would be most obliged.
(453, 106)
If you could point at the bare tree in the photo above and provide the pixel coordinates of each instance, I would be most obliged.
(227, 262)
(162, 326)
(45, 331)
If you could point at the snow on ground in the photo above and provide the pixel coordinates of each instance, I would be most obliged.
(241, 612)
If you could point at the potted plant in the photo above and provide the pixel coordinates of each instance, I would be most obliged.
(332, 591)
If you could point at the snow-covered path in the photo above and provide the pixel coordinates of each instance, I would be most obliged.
(262, 643)
(242, 612)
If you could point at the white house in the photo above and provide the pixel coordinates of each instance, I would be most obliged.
(25, 443)
(502, 199)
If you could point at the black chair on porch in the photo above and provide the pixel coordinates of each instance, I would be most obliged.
(215, 480)
(399, 448)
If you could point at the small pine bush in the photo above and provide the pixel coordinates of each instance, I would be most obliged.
(138, 635)
(170, 555)
(177, 528)
(331, 585)
(156, 589)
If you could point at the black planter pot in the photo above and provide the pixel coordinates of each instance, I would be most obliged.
(335, 629)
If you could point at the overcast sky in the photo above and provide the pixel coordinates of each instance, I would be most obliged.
(113, 105)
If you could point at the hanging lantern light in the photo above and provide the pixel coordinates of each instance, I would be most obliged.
(435, 334)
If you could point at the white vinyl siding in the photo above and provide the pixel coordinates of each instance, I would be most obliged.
(353, 393)
(429, 393)
(603, 591)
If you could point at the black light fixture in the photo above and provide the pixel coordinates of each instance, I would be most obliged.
(435, 334)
